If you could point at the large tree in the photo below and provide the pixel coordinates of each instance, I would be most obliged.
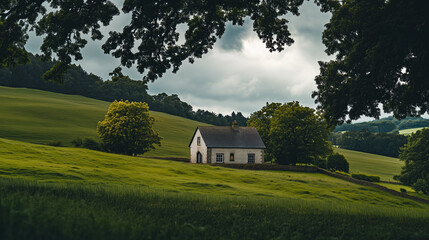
(128, 128)
(415, 154)
(381, 58)
(150, 40)
(292, 133)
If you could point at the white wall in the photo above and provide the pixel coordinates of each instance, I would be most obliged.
(194, 148)
(240, 154)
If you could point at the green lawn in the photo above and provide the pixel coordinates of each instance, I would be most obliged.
(385, 167)
(42, 117)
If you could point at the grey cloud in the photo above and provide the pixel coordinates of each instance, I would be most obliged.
(234, 35)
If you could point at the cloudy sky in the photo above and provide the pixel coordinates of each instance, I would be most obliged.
(239, 74)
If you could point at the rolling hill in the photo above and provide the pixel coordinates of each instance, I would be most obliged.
(42, 117)
(385, 167)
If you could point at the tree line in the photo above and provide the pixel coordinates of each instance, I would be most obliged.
(385, 125)
(77, 81)
(386, 144)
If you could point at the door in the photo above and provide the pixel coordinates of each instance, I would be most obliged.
(199, 157)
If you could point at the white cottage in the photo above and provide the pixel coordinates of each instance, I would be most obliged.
(226, 145)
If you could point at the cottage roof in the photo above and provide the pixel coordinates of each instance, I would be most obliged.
(229, 137)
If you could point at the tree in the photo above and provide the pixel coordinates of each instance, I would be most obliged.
(381, 58)
(128, 129)
(415, 154)
(292, 133)
(261, 120)
(154, 27)
(338, 162)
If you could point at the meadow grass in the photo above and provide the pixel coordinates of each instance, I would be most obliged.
(410, 191)
(385, 167)
(68, 165)
(34, 210)
(42, 117)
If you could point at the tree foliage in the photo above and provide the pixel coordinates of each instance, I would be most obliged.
(381, 58)
(415, 154)
(338, 162)
(128, 129)
(261, 120)
(151, 40)
(292, 133)
(62, 29)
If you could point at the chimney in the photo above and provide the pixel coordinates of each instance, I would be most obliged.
(235, 125)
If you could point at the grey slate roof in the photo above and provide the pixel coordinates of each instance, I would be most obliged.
(227, 137)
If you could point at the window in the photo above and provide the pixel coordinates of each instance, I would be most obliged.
(251, 158)
(219, 157)
(231, 157)
(198, 141)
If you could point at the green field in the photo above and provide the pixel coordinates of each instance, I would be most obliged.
(123, 196)
(409, 131)
(385, 167)
(59, 164)
(42, 117)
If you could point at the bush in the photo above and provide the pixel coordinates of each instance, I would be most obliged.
(421, 185)
(77, 142)
(403, 190)
(55, 143)
(320, 162)
(366, 177)
(343, 173)
(91, 144)
(338, 162)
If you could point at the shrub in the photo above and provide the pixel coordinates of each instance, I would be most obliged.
(421, 185)
(55, 143)
(366, 177)
(91, 144)
(403, 190)
(343, 173)
(338, 162)
(77, 142)
(319, 162)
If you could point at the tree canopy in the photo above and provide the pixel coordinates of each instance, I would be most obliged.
(415, 154)
(381, 58)
(292, 133)
(151, 40)
(128, 128)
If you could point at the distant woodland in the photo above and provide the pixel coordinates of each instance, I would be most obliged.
(385, 125)
(79, 82)
(379, 136)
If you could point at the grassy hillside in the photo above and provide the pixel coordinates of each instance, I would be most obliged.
(42, 117)
(385, 167)
(59, 164)
(108, 196)
(409, 131)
